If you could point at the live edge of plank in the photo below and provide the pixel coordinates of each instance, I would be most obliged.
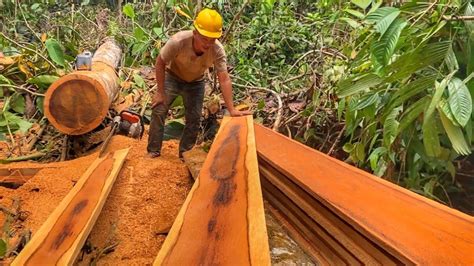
(68, 256)
(258, 250)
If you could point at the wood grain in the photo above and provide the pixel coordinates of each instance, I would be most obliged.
(408, 226)
(78, 102)
(363, 249)
(222, 220)
(61, 237)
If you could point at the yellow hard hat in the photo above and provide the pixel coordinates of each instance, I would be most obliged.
(208, 22)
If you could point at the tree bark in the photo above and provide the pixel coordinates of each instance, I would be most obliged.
(78, 102)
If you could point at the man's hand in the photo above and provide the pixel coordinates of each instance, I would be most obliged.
(236, 112)
(158, 98)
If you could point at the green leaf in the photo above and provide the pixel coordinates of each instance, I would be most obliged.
(349, 87)
(411, 62)
(3, 248)
(443, 106)
(431, 138)
(4, 80)
(439, 89)
(139, 80)
(381, 13)
(459, 101)
(366, 101)
(362, 3)
(390, 127)
(409, 91)
(55, 52)
(355, 13)
(354, 24)
(386, 22)
(412, 113)
(40, 104)
(455, 136)
(128, 11)
(383, 49)
(451, 61)
(43, 81)
(374, 157)
(139, 34)
(17, 103)
(158, 32)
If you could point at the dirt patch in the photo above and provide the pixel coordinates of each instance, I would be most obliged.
(143, 203)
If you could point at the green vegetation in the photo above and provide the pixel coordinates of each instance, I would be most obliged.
(383, 85)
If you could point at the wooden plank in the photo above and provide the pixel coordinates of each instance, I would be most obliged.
(320, 240)
(305, 244)
(366, 251)
(222, 220)
(409, 226)
(61, 237)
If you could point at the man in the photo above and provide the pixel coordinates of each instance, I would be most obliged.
(180, 69)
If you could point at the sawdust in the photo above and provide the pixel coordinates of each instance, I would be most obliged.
(142, 204)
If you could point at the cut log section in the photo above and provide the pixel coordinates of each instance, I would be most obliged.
(410, 228)
(222, 221)
(61, 237)
(78, 102)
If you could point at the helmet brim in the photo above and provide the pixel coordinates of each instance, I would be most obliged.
(209, 34)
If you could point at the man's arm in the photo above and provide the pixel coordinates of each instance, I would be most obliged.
(159, 96)
(226, 88)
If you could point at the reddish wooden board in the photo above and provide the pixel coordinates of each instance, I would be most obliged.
(410, 227)
(222, 220)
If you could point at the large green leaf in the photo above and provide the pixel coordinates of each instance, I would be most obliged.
(128, 11)
(55, 51)
(430, 137)
(350, 86)
(455, 135)
(381, 13)
(459, 101)
(17, 103)
(408, 91)
(384, 24)
(390, 127)
(422, 57)
(42, 81)
(362, 3)
(382, 49)
(438, 93)
(412, 113)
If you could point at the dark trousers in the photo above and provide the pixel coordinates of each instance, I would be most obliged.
(193, 96)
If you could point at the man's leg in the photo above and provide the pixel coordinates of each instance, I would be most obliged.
(158, 116)
(193, 96)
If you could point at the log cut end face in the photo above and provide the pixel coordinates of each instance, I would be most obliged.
(76, 106)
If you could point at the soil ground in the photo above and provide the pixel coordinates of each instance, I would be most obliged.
(141, 207)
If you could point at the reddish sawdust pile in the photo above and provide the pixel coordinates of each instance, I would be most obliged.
(143, 203)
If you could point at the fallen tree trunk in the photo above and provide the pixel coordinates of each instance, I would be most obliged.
(78, 102)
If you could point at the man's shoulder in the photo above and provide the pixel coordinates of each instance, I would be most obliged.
(182, 35)
(218, 47)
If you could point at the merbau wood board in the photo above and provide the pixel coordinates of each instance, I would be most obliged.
(407, 225)
(61, 237)
(222, 221)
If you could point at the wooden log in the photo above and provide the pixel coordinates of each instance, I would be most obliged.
(61, 237)
(78, 102)
(222, 220)
(410, 227)
(16, 177)
(363, 249)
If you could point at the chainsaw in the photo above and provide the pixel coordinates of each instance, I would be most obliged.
(126, 123)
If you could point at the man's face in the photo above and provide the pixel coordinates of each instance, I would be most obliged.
(202, 43)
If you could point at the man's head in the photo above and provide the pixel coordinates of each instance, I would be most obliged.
(208, 28)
